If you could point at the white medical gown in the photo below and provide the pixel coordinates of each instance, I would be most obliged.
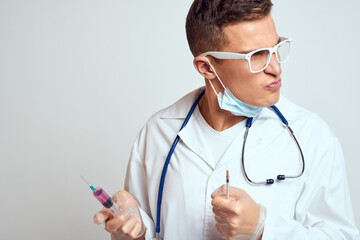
(315, 206)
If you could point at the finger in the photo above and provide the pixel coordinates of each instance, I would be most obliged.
(218, 211)
(222, 204)
(219, 229)
(124, 198)
(227, 206)
(224, 231)
(115, 223)
(220, 191)
(101, 216)
(221, 214)
(128, 225)
(120, 198)
(220, 219)
(135, 231)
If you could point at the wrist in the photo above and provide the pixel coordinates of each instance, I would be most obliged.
(261, 223)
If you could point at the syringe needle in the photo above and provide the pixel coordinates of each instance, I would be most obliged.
(91, 186)
(85, 180)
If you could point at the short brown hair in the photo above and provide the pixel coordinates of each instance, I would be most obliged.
(207, 19)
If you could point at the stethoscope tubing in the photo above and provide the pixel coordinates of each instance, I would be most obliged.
(280, 177)
(163, 174)
(248, 125)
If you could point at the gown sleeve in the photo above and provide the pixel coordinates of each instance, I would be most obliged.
(324, 209)
(136, 185)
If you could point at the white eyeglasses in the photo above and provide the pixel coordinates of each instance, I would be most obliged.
(258, 59)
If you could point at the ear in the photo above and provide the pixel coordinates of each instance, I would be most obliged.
(203, 67)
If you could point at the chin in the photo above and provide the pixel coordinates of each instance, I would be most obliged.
(275, 99)
(270, 100)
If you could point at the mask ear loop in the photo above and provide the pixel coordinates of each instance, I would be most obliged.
(215, 75)
(215, 91)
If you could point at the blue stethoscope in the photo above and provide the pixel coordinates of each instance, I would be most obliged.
(248, 125)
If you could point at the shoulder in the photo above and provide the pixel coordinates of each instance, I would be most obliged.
(291, 111)
(164, 125)
(313, 133)
(177, 110)
(302, 118)
(309, 128)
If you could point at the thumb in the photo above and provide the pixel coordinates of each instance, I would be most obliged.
(235, 193)
(120, 199)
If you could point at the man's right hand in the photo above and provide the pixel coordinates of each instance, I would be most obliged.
(128, 224)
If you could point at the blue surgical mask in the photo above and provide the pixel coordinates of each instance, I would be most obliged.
(229, 102)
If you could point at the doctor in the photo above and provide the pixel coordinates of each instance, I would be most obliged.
(312, 202)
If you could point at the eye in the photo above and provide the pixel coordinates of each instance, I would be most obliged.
(261, 53)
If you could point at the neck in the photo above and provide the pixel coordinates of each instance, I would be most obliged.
(217, 118)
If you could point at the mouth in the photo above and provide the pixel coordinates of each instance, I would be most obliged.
(275, 85)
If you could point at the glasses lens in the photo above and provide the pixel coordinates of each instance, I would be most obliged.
(259, 59)
(283, 51)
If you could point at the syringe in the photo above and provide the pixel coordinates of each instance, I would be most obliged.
(105, 199)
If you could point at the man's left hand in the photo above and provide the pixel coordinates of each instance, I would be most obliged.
(237, 217)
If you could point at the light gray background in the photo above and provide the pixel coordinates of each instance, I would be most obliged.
(79, 78)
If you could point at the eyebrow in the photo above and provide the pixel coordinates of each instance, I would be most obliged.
(246, 52)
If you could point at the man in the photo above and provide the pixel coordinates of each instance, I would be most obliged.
(310, 204)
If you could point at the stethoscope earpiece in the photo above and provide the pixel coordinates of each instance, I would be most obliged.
(281, 177)
(269, 181)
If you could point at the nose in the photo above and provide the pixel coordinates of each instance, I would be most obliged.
(274, 67)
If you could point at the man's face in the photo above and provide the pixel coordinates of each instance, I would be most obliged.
(251, 88)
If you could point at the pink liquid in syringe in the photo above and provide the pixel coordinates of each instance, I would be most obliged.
(103, 198)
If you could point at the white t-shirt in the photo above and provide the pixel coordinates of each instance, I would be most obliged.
(214, 142)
